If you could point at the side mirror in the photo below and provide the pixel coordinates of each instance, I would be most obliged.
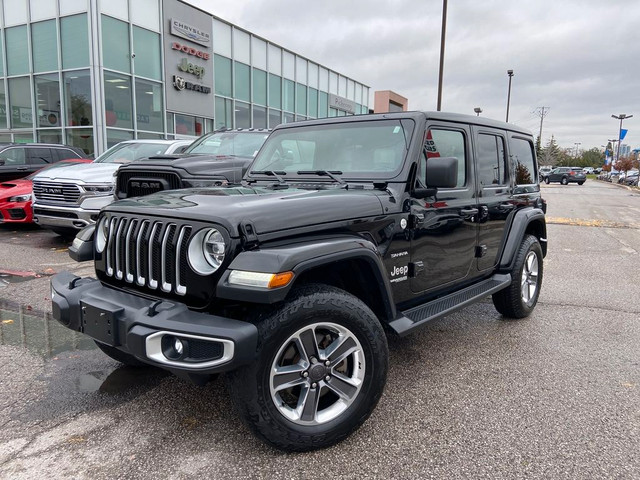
(442, 172)
(81, 249)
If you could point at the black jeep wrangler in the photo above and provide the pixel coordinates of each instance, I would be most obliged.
(215, 159)
(343, 230)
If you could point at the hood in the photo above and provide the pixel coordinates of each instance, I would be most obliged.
(267, 209)
(192, 164)
(16, 187)
(81, 172)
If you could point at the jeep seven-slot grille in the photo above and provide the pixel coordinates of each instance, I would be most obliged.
(148, 253)
(56, 192)
(133, 183)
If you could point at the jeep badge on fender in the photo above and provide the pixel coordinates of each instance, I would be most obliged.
(343, 230)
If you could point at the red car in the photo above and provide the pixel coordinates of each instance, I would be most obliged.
(15, 195)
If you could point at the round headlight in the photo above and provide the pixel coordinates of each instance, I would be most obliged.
(101, 234)
(206, 251)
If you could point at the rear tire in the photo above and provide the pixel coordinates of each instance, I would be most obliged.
(319, 372)
(546, 180)
(120, 356)
(564, 181)
(580, 183)
(519, 299)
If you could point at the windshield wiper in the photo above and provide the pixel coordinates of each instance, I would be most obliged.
(271, 173)
(324, 173)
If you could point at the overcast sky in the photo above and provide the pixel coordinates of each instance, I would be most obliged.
(579, 58)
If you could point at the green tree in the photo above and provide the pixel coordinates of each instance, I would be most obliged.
(591, 158)
(550, 154)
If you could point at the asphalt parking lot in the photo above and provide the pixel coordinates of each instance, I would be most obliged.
(556, 395)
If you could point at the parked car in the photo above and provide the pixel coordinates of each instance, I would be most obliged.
(544, 171)
(597, 170)
(17, 160)
(566, 175)
(212, 160)
(16, 196)
(66, 201)
(343, 230)
(588, 170)
(631, 178)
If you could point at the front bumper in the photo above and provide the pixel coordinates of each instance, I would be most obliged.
(138, 326)
(77, 216)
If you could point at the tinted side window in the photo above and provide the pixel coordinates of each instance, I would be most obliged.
(13, 156)
(447, 143)
(523, 161)
(63, 154)
(491, 160)
(40, 156)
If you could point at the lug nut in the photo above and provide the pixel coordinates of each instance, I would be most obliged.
(314, 385)
(313, 360)
(327, 362)
(305, 374)
(327, 378)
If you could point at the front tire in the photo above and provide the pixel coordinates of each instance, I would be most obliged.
(519, 299)
(564, 181)
(546, 180)
(320, 370)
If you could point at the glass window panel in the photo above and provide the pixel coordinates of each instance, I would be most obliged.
(116, 55)
(301, 99)
(221, 38)
(288, 96)
(351, 90)
(222, 68)
(447, 143)
(23, 138)
(342, 86)
(259, 117)
(20, 101)
(333, 83)
(365, 95)
(41, 9)
(258, 53)
(333, 112)
(323, 80)
(259, 86)
(243, 115)
(208, 122)
(185, 125)
(146, 13)
(275, 91)
(75, 41)
(242, 82)
(224, 113)
(117, 136)
(149, 109)
(147, 44)
(301, 70)
(323, 104)
(3, 106)
(1, 60)
(149, 136)
(288, 65)
(313, 75)
(313, 102)
(49, 136)
(288, 118)
(17, 50)
(15, 12)
(275, 60)
(68, 7)
(490, 160)
(116, 8)
(81, 138)
(241, 46)
(5, 138)
(522, 153)
(44, 42)
(170, 122)
(48, 100)
(77, 98)
(358, 93)
(274, 118)
(118, 103)
(14, 156)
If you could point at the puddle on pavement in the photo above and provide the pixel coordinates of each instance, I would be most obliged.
(11, 276)
(42, 335)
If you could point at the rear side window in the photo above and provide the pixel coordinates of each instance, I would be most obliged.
(447, 143)
(492, 161)
(523, 162)
(40, 156)
(64, 153)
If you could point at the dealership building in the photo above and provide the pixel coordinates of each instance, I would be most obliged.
(91, 73)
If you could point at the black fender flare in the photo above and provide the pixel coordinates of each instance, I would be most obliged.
(524, 220)
(300, 257)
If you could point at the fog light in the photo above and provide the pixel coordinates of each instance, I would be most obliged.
(178, 346)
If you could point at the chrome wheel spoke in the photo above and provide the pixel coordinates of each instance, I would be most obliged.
(287, 377)
(308, 404)
(308, 344)
(342, 386)
(340, 349)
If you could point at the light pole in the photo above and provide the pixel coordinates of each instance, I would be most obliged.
(478, 111)
(576, 144)
(510, 73)
(442, 37)
(620, 117)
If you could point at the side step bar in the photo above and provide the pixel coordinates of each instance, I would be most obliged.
(409, 320)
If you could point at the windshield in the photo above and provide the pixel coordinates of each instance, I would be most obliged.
(238, 144)
(371, 149)
(128, 152)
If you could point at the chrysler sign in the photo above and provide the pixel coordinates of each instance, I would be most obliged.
(184, 30)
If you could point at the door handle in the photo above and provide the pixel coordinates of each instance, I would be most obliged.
(507, 206)
(467, 212)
